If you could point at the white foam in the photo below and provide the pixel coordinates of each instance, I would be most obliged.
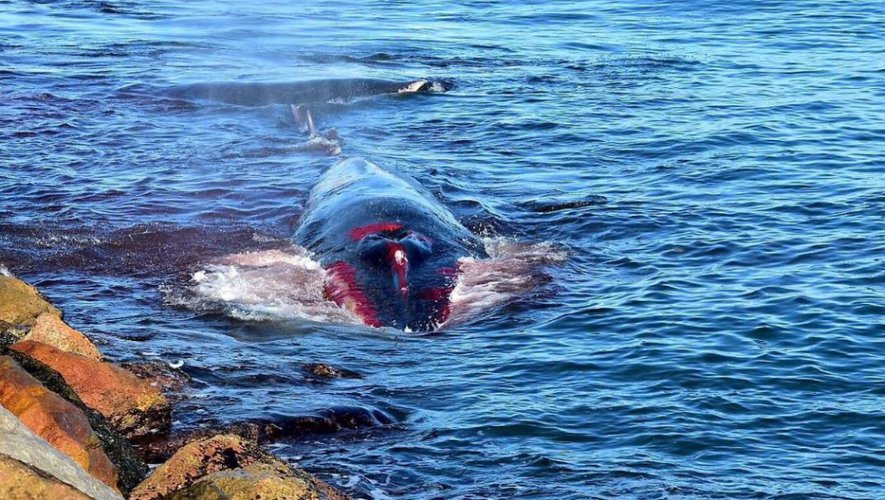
(273, 284)
(50, 240)
(5, 272)
(513, 270)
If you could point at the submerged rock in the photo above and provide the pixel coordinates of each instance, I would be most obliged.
(159, 374)
(54, 419)
(20, 303)
(52, 330)
(228, 466)
(134, 406)
(328, 371)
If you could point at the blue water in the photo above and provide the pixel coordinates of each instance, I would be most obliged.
(715, 171)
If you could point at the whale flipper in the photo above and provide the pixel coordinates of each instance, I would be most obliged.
(328, 142)
(303, 118)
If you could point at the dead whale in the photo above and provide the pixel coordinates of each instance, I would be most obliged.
(390, 249)
(373, 246)
(303, 92)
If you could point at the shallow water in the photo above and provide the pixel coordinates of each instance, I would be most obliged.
(713, 171)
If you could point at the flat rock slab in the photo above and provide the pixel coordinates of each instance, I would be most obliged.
(54, 419)
(23, 446)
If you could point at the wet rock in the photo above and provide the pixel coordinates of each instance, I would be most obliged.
(357, 417)
(328, 371)
(10, 334)
(17, 480)
(56, 420)
(327, 421)
(52, 330)
(134, 406)
(159, 374)
(20, 303)
(260, 481)
(160, 450)
(195, 471)
(130, 467)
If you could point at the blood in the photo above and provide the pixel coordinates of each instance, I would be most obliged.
(343, 289)
(359, 233)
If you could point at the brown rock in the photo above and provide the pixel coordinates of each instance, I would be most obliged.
(133, 406)
(54, 419)
(17, 480)
(52, 330)
(248, 471)
(194, 461)
(131, 469)
(260, 481)
(20, 303)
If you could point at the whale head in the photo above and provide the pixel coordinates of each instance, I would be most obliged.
(397, 279)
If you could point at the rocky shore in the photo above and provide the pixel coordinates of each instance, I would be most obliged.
(76, 425)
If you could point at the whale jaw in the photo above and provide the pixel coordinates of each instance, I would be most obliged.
(407, 309)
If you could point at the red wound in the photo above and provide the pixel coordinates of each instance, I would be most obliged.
(359, 233)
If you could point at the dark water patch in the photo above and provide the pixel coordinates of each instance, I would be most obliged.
(145, 250)
(552, 206)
